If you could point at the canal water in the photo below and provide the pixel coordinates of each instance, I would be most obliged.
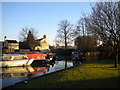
(13, 75)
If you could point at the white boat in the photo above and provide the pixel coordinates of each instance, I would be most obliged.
(10, 60)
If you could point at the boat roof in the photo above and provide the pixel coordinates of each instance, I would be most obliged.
(14, 55)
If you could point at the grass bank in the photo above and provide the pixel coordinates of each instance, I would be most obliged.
(91, 74)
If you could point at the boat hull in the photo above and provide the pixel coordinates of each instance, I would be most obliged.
(37, 56)
(11, 63)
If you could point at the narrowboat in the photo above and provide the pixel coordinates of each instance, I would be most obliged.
(10, 60)
(37, 56)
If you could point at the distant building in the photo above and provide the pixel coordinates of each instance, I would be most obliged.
(63, 47)
(23, 47)
(42, 44)
(11, 44)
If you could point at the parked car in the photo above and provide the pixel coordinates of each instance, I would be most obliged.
(77, 56)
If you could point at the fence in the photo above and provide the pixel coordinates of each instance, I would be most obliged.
(95, 55)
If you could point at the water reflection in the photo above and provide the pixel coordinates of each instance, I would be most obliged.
(0, 57)
(15, 72)
(10, 76)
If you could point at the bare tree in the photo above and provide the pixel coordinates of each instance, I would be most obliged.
(64, 33)
(81, 27)
(83, 39)
(104, 22)
(24, 33)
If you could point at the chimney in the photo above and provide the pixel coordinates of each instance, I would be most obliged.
(5, 38)
(44, 36)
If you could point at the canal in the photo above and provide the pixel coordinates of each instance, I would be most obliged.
(13, 75)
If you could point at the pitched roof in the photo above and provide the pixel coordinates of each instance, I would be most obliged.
(39, 39)
(11, 41)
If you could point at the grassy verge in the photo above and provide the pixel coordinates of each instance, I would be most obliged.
(91, 74)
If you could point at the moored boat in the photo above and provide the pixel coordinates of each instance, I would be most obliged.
(37, 56)
(10, 60)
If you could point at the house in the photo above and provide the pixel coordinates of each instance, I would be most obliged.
(42, 44)
(23, 47)
(11, 44)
